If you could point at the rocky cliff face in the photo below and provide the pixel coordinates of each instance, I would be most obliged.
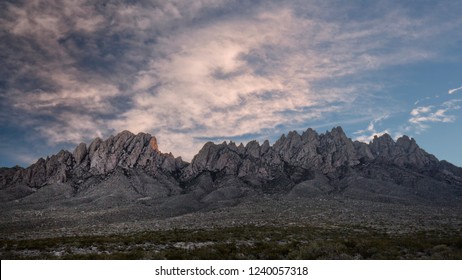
(298, 165)
(125, 150)
(324, 153)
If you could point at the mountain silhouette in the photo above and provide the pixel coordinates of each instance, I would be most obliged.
(126, 178)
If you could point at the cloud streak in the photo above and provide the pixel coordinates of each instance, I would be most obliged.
(422, 117)
(451, 91)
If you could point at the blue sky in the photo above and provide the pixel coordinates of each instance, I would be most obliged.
(192, 71)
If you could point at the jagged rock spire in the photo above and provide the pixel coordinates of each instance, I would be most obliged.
(124, 150)
(309, 151)
(322, 152)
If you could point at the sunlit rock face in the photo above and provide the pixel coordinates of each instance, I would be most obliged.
(125, 150)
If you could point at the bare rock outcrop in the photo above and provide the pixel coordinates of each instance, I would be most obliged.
(295, 158)
(296, 164)
(125, 150)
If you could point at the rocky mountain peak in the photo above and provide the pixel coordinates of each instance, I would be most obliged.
(406, 143)
(125, 178)
(403, 152)
(310, 151)
(153, 143)
(124, 150)
(337, 132)
(296, 154)
(79, 153)
(253, 149)
(382, 141)
(309, 135)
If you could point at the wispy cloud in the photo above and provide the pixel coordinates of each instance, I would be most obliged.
(366, 135)
(245, 75)
(189, 70)
(422, 117)
(451, 91)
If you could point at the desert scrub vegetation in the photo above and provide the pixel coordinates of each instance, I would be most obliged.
(244, 242)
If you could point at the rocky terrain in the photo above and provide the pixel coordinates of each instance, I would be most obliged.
(124, 184)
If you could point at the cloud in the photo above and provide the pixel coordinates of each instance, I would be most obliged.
(421, 110)
(422, 117)
(246, 75)
(185, 71)
(366, 135)
(451, 91)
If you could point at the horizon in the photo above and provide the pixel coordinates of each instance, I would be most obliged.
(239, 70)
(271, 143)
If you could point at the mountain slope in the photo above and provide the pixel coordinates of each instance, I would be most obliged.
(128, 169)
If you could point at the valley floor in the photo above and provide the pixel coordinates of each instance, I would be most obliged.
(244, 242)
(261, 228)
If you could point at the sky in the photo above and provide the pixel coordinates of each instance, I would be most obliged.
(189, 72)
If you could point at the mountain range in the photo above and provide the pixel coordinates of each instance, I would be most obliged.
(126, 177)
